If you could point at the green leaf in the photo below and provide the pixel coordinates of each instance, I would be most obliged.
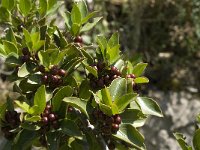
(2, 110)
(149, 106)
(75, 29)
(40, 99)
(134, 117)
(91, 70)
(34, 110)
(9, 104)
(24, 139)
(140, 80)
(10, 36)
(75, 14)
(119, 64)
(25, 6)
(88, 26)
(30, 126)
(102, 42)
(125, 100)
(181, 140)
(106, 109)
(9, 4)
(67, 18)
(27, 35)
(2, 52)
(113, 53)
(77, 103)
(43, 7)
(60, 95)
(139, 69)
(118, 88)
(23, 71)
(32, 118)
(83, 8)
(130, 135)
(89, 16)
(114, 40)
(9, 47)
(70, 128)
(51, 4)
(84, 90)
(23, 105)
(196, 138)
(106, 97)
(5, 15)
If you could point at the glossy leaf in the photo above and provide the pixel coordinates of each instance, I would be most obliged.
(88, 26)
(181, 140)
(9, 4)
(139, 69)
(114, 40)
(118, 88)
(11, 37)
(77, 103)
(60, 95)
(91, 70)
(40, 99)
(76, 15)
(134, 117)
(140, 80)
(75, 29)
(43, 6)
(149, 106)
(84, 90)
(113, 53)
(2, 110)
(196, 138)
(83, 8)
(70, 128)
(125, 100)
(23, 105)
(9, 47)
(130, 135)
(106, 109)
(33, 118)
(102, 42)
(25, 6)
(89, 16)
(23, 71)
(106, 97)
(5, 15)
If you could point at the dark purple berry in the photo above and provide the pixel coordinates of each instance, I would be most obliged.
(111, 146)
(48, 107)
(78, 39)
(54, 79)
(41, 69)
(25, 51)
(115, 127)
(62, 72)
(55, 124)
(117, 119)
(106, 130)
(25, 58)
(100, 65)
(45, 79)
(45, 120)
(109, 120)
(100, 82)
(54, 70)
(36, 56)
(52, 117)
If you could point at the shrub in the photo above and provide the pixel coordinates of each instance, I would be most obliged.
(70, 95)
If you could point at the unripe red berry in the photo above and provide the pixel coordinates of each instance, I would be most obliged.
(78, 39)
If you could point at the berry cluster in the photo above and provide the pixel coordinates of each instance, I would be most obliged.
(53, 78)
(12, 121)
(132, 76)
(27, 55)
(105, 76)
(107, 125)
(49, 118)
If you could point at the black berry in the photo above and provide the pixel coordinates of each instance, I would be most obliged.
(41, 69)
(45, 120)
(115, 128)
(117, 119)
(45, 79)
(62, 73)
(52, 117)
(25, 58)
(25, 51)
(54, 70)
